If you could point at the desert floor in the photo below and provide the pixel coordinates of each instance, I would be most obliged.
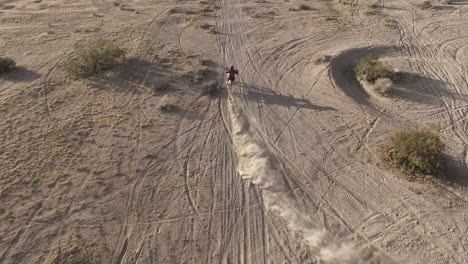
(282, 167)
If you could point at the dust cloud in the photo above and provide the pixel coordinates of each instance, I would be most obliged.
(257, 165)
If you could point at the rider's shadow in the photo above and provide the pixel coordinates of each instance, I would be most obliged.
(266, 96)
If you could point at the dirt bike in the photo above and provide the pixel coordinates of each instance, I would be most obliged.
(229, 81)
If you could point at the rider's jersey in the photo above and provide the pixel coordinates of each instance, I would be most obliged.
(232, 73)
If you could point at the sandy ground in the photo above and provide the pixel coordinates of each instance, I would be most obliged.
(281, 168)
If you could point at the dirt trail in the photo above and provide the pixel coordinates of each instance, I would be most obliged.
(267, 120)
(282, 168)
(257, 164)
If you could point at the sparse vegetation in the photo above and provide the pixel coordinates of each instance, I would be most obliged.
(197, 76)
(167, 108)
(209, 9)
(371, 70)
(382, 86)
(206, 62)
(372, 12)
(6, 64)
(268, 14)
(426, 5)
(417, 151)
(247, 9)
(76, 255)
(304, 7)
(212, 89)
(161, 87)
(323, 59)
(178, 10)
(206, 26)
(391, 23)
(94, 58)
(331, 19)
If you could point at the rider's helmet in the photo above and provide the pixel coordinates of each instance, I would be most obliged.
(232, 67)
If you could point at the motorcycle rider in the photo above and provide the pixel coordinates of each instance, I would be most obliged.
(231, 73)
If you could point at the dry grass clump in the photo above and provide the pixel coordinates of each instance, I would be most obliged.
(323, 59)
(207, 62)
(6, 65)
(197, 76)
(305, 7)
(331, 19)
(94, 58)
(207, 8)
(371, 70)
(206, 26)
(161, 87)
(76, 255)
(167, 108)
(372, 12)
(383, 86)
(416, 151)
(202, 74)
(167, 104)
(426, 5)
(212, 89)
(374, 75)
(268, 14)
(247, 9)
(391, 23)
(178, 10)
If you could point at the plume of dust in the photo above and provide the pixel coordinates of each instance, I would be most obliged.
(258, 166)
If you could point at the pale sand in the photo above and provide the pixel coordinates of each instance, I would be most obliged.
(282, 168)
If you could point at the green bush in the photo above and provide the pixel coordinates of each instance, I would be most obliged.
(6, 64)
(417, 150)
(94, 58)
(371, 70)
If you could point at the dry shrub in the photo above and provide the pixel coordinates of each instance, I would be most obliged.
(167, 108)
(178, 10)
(371, 70)
(212, 89)
(331, 19)
(167, 105)
(323, 59)
(6, 65)
(391, 23)
(206, 26)
(383, 85)
(161, 87)
(94, 58)
(426, 5)
(76, 255)
(268, 14)
(207, 62)
(304, 7)
(416, 150)
(372, 13)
